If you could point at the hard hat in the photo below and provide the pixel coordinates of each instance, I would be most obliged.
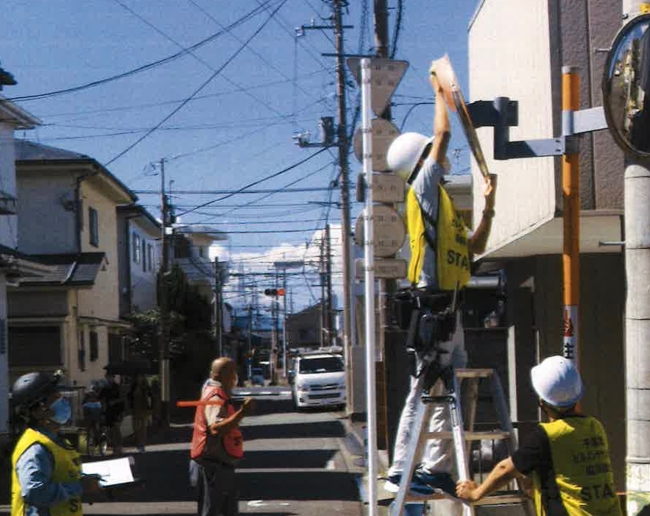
(405, 151)
(557, 381)
(33, 387)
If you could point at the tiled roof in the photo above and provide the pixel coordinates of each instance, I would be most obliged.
(27, 151)
(66, 269)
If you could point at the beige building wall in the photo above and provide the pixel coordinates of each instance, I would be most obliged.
(513, 60)
(102, 301)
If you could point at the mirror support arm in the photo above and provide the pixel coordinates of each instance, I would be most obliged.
(503, 113)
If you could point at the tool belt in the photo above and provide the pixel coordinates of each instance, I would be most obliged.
(408, 300)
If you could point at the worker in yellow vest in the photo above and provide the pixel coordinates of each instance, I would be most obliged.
(441, 249)
(46, 469)
(567, 458)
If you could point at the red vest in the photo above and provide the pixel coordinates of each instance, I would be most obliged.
(231, 443)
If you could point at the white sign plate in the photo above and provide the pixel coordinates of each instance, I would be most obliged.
(384, 79)
(383, 134)
(384, 269)
(389, 230)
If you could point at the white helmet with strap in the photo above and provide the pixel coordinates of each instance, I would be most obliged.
(405, 151)
(557, 381)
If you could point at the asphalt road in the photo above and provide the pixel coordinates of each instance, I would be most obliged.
(296, 464)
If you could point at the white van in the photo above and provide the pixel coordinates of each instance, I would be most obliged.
(319, 380)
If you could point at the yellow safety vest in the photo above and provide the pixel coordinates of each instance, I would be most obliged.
(67, 468)
(452, 252)
(583, 471)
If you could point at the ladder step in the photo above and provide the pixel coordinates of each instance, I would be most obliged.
(496, 435)
(474, 373)
(502, 499)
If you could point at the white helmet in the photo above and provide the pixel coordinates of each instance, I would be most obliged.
(405, 151)
(557, 381)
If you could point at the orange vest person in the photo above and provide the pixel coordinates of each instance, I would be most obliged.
(217, 442)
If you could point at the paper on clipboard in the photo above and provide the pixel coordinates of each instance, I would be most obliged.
(113, 472)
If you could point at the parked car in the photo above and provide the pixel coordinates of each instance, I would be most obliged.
(319, 380)
(257, 376)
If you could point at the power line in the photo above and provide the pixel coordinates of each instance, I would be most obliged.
(148, 66)
(245, 188)
(203, 85)
(237, 191)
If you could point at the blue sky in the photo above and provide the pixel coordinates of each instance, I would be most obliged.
(222, 115)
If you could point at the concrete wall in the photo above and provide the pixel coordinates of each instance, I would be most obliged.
(46, 225)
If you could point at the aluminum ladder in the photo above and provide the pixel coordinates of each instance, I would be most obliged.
(462, 440)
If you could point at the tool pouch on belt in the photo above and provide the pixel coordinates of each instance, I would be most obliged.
(435, 327)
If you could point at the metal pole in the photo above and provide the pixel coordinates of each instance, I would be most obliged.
(323, 320)
(571, 215)
(343, 144)
(284, 325)
(218, 325)
(637, 322)
(165, 379)
(369, 278)
(250, 341)
(328, 279)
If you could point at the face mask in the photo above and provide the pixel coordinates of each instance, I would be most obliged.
(62, 411)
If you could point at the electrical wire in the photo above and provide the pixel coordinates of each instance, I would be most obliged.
(203, 85)
(244, 188)
(148, 66)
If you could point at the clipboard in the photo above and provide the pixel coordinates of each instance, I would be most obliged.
(111, 473)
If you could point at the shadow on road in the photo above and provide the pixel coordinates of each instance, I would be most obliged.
(295, 430)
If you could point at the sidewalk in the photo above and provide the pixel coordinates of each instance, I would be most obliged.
(355, 442)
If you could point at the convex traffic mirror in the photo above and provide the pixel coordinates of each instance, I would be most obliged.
(626, 87)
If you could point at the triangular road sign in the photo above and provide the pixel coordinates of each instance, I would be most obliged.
(385, 77)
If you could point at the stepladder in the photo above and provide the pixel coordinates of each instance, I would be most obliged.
(457, 392)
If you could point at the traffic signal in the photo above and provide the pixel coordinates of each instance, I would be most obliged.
(274, 292)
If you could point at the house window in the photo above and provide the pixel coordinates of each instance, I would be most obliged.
(150, 256)
(144, 255)
(82, 351)
(93, 226)
(137, 250)
(94, 346)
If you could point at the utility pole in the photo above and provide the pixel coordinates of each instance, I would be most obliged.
(323, 303)
(165, 379)
(328, 277)
(249, 355)
(343, 144)
(284, 325)
(218, 323)
(637, 319)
